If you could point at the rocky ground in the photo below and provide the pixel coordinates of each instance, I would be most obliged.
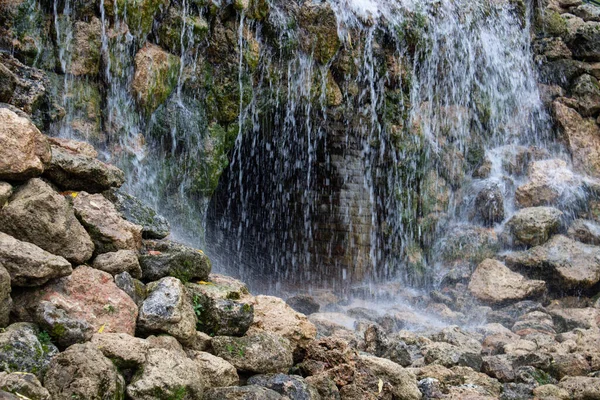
(97, 304)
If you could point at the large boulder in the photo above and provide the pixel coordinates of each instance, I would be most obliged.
(533, 226)
(167, 375)
(272, 314)
(5, 299)
(39, 215)
(218, 313)
(155, 77)
(23, 384)
(318, 33)
(585, 41)
(72, 308)
(109, 231)
(215, 371)
(261, 353)
(292, 386)
(25, 349)
(567, 264)
(82, 372)
(165, 258)
(74, 170)
(468, 243)
(123, 350)
(29, 265)
(118, 262)
(492, 282)
(582, 137)
(168, 309)
(581, 387)
(403, 382)
(154, 226)
(24, 151)
(551, 182)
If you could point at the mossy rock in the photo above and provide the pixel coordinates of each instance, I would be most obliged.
(24, 348)
(551, 23)
(137, 14)
(318, 31)
(169, 30)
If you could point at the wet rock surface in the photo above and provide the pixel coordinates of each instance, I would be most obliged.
(166, 258)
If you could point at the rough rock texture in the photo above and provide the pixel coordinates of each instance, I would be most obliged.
(166, 375)
(29, 265)
(133, 287)
(72, 308)
(24, 151)
(108, 230)
(581, 387)
(86, 48)
(154, 226)
(166, 258)
(24, 349)
(73, 170)
(292, 386)
(567, 319)
(155, 76)
(403, 382)
(5, 299)
(251, 392)
(168, 309)
(6, 191)
(585, 231)
(260, 353)
(119, 261)
(489, 205)
(550, 182)
(304, 304)
(74, 146)
(24, 384)
(582, 136)
(215, 371)
(272, 314)
(123, 350)
(492, 282)
(569, 264)
(533, 226)
(39, 215)
(82, 372)
(219, 314)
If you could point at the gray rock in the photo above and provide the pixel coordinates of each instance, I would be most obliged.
(325, 386)
(6, 191)
(567, 319)
(65, 329)
(219, 315)
(39, 215)
(5, 299)
(585, 42)
(109, 231)
(8, 396)
(468, 243)
(489, 205)
(154, 226)
(166, 375)
(304, 304)
(499, 367)
(292, 386)
(260, 353)
(403, 382)
(533, 226)
(82, 372)
(581, 387)
(585, 231)
(123, 350)
(24, 384)
(168, 309)
(449, 355)
(25, 349)
(24, 151)
(29, 265)
(587, 12)
(215, 371)
(119, 261)
(166, 258)
(72, 170)
(133, 287)
(568, 264)
(242, 393)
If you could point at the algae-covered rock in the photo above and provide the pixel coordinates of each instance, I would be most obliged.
(82, 372)
(155, 77)
(318, 31)
(25, 349)
(133, 287)
(154, 226)
(534, 226)
(169, 31)
(137, 14)
(86, 46)
(260, 353)
(166, 258)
